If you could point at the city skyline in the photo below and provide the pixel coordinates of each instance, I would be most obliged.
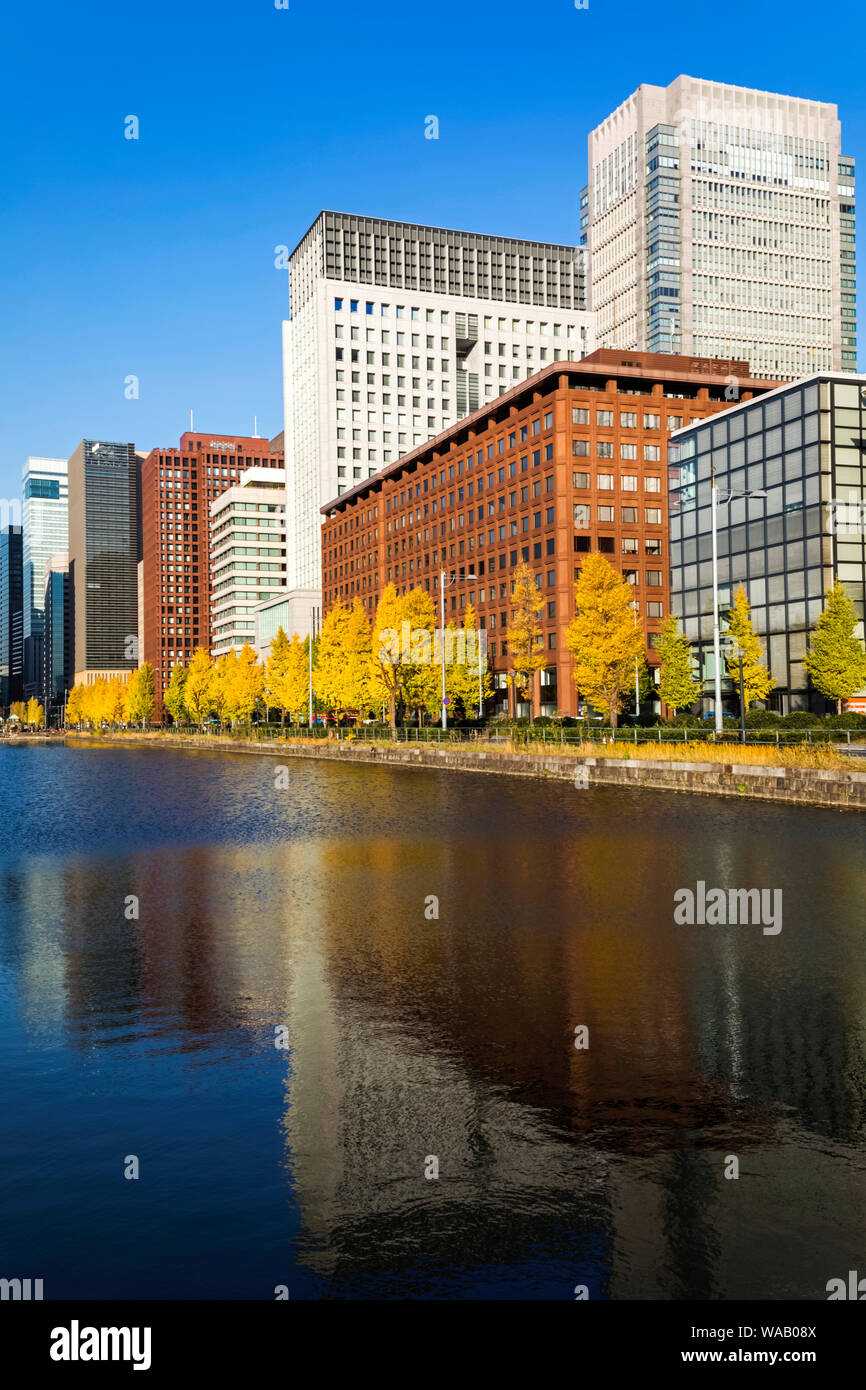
(136, 272)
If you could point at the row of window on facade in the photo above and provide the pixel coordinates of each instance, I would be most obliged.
(399, 311)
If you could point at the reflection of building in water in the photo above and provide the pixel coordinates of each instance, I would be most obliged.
(371, 1099)
(408, 1045)
(454, 1037)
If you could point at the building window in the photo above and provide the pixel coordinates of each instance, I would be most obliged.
(654, 578)
(580, 448)
(604, 418)
(652, 484)
(652, 453)
(604, 482)
(652, 422)
(580, 480)
(604, 449)
(579, 416)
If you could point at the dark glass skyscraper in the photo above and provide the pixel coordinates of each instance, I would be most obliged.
(104, 552)
(11, 615)
(57, 642)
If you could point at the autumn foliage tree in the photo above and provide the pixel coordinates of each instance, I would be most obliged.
(174, 697)
(836, 659)
(757, 681)
(603, 637)
(140, 700)
(677, 685)
(402, 671)
(198, 693)
(525, 633)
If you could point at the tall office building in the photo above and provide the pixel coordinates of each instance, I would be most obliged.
(178, 487)
(45, 521)
(104, 551)
(11, 616)
(569, 462)
(248, 520)
(57, 674)
(398, 331)
(719, 222)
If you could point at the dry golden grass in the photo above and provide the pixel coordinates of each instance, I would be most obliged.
(764, 755)
(824, 756)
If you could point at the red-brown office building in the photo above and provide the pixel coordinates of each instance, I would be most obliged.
(177, 488)
(571, 460)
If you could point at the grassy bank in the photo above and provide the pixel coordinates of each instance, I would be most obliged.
(824, 757)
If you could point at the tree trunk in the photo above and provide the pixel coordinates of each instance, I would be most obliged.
(392, 714)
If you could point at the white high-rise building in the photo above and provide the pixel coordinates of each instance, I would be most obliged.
(247, 554)
(45, 526)
(398, 331)
(719, 222)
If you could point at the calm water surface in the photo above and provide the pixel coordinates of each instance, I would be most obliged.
(412, 1037)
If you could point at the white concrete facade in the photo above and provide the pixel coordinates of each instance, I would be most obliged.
(398, 331)
(247, 554)
(719, 222)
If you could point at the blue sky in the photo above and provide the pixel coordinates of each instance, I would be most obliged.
(155, 257)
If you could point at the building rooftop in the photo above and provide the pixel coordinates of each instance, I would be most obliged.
(842, 377)
(603, 363)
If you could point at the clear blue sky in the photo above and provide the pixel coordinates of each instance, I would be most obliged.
(156, 257)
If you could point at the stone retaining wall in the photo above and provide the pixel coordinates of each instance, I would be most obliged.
(809, 786)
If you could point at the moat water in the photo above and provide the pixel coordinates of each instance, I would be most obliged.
(333, 990)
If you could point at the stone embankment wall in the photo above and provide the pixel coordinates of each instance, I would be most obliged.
(809, 786)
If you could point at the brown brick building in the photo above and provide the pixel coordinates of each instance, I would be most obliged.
(571, 460)
(177, 487)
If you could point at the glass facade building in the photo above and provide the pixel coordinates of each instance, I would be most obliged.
(57, 641)
(104, 552)
(45, 521)
(11, 616)
(804, 446)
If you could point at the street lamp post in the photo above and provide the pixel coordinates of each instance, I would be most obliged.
(717, 655)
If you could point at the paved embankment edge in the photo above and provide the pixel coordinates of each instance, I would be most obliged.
(807, 786)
